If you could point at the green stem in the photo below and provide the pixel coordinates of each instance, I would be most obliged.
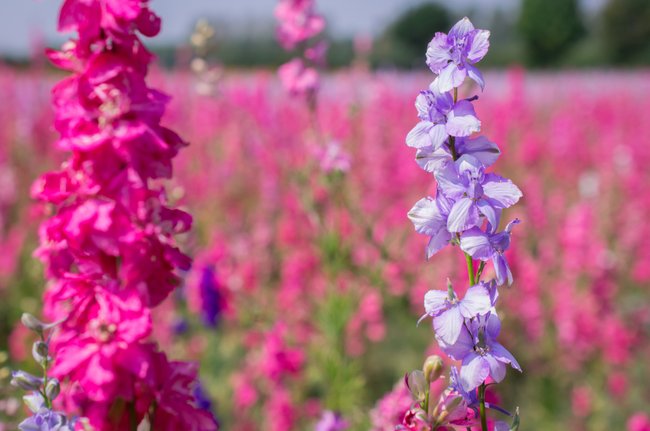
(470, 269)
(481, 394)
(480, 271)
(133, 418)
(45, 365)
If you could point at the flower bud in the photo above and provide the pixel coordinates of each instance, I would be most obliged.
(417, 384)
(36, 325)
(433, 368)
(52, 389)
(26, 381)
(40, 352)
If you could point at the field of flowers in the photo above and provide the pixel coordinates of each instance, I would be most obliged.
(308, 280)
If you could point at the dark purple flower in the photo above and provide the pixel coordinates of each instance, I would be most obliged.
(485, 245)
(449, 312)
(429, 216)
(474, 193)
(212, 301)
(44, 419)
(482, 356)
(452, 56)
(440, 118)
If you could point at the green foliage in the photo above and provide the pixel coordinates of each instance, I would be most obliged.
(626, 31)
(549, 28)
(405, 40)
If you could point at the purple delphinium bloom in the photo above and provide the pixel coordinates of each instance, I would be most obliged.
(43, 419)
(485, 245)
(449, 312)
(474, 193)
(211, 297)
(432, 159)
(470, 397)
(429, 216)
(452, 56)
(481, 355)
(331, 421)
(440, 118)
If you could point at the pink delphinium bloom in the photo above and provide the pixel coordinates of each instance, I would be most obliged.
(109, 249)
(638, 422)
(298, 22)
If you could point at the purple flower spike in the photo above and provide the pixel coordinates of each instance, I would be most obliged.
(449, 312)
(441, 118)
(484, 245)
(474, 193)
(429, 216)
(433, 159)
(452, 56)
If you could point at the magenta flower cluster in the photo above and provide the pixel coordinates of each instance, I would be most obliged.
(298, 26)
(109, 248)
(466, 210)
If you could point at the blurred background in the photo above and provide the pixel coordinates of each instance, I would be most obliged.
(308, 278)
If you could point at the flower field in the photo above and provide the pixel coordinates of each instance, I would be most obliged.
(308, 279)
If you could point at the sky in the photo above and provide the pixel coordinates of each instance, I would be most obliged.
(22, 21)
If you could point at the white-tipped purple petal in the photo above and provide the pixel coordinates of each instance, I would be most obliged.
(463, 215)
(497, 368)
(476, 302)
(450, 77)
(503, 355)
(448, 324)
(502, 270)
(475, 75)
(474, 371)
(435, 302)
(461, 29)
(426, 217)
(422, 105)
(462, 121)
(480, 147)
(438, 53)
(431, 159)
(419, 136)
(510, 225)
(438, 242)
(493, 215)
(479, 43)
(459, 349)
(501, 190)
(476, 243)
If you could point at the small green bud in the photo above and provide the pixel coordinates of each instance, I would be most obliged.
(433, 368)
(40, 352)
(417, 384)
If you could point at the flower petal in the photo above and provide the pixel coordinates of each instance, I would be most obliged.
(474, 371)
(479, 43)
(492, 214)
(475, 75)
(447, 325)
(497, 368)
(476, 302)
(438, 52)
(431, 159)
(462, 121)
(426, 217)
(463, 346)
(419, 137)
(503, 355)
(480, 147)
(435, 302)
(450, 77)
(501, 191)
(463, 215)
(438, 242)
(476, 243)
(461, 29)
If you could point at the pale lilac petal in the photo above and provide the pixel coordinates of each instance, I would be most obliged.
(438, 242)
(501, 190)
(475, 75)
(501, 426)
(438, 135)
(468, 163)
(477, 244)
(447, 325)
(431, 159)
(480, 147)
(438, 53)
(492, 326)
(444, 204)
(476, 302)
(450, 77)
(479, 43)
(504, 356)
(449, 183)
(426, 217)
(422, 105)
(493, 215)
(463, 216)
(474, 371)
(419, 137)
(463, 346)
(462, 120)
(435, 302)
(510, 225)
(461, 29)
(497, 368)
